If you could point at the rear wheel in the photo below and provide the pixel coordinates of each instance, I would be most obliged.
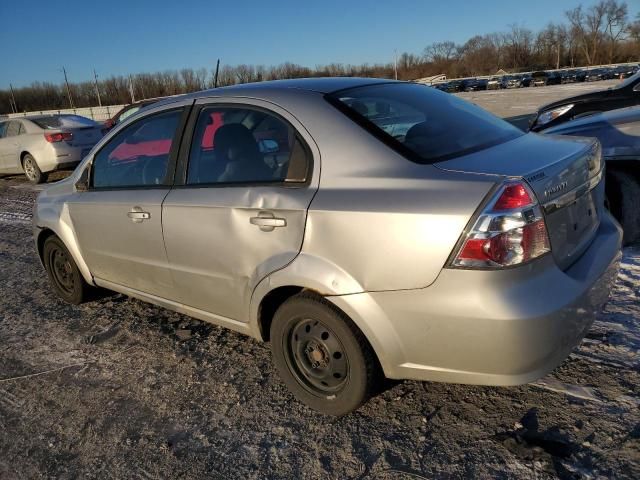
(64, 275)
(623, 194)
(32, 171)
(322, 357)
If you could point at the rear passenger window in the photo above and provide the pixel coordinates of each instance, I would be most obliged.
(138, 155)
(13, 129)
(241, 145)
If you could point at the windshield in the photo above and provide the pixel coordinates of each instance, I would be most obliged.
(63, 121)
(628, 81)
(422, 123)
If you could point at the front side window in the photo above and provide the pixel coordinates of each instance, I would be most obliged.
(422, 123)
(3, 129)
(138, 155)
(242, 145)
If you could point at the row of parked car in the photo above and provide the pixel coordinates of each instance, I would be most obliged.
(537, 79)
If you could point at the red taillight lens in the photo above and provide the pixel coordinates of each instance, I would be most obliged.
(58, 137)
(513, 196)
(509, 232)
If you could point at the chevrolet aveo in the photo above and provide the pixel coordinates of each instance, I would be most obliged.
(366, 228)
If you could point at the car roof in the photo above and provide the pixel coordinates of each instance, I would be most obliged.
(323, 85)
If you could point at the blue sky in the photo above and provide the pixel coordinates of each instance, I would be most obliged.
(128, 36)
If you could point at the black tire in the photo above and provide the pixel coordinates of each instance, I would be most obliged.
(322, 357)
(623, 195)
(32, 170)
(64, 275)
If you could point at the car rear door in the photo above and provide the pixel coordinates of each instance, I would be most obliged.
(9, 147)
(239, 213)
(118, 220)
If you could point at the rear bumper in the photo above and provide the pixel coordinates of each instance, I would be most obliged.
(490, 327)
(62, 157)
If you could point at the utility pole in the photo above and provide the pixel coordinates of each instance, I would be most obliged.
(95, 79)
(133, 97)
(68, 89)
(395, 63)
(14, 106)
(215, 77)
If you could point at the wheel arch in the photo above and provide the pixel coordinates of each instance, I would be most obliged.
(49, 223)
(312, 274)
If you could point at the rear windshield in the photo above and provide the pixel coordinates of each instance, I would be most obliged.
(422, 123)
(63, 121)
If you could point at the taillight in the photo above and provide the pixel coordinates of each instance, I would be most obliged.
(511, 230)
(58, 137)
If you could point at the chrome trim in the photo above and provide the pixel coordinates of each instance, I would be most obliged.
(570, 197)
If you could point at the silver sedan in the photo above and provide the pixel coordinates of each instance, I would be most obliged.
(39, 144)
(366, 228)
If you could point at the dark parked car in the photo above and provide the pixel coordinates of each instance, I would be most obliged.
(512, 81)
(127, 111)
(473, 85)
(625, 94)
(594, 75)
(628, 71)
(619, 134)
(569, 76)
(540, 79)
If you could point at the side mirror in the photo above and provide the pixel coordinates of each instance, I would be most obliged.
(82, 185)
(268, 146)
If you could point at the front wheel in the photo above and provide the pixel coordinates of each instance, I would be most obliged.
(64, 275)
(32, 171)
(322, 357)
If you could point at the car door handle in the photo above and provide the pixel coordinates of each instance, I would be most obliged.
(137, 215)
(267, 222)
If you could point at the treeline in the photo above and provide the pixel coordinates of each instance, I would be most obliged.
(600, 34)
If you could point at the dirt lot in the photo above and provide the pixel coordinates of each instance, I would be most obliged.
(117, 388)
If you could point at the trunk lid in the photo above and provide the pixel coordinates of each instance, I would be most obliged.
(565, 175)
(85, 137)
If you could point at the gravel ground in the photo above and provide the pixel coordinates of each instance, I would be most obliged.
(117, 388)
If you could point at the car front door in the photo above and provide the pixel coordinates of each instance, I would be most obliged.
(240, 213)
(118, 219)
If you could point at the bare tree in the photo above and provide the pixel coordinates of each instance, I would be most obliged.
(616, 24)
(589, 26)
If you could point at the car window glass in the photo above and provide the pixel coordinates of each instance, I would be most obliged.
(127, 113)
(241, 145)
(139, 154)
(54, 122)
(3, 128)
(427, 124)
(13, 129)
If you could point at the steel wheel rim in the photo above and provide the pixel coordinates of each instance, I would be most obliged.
(29, 169)
(316, 357)
(62, 270)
